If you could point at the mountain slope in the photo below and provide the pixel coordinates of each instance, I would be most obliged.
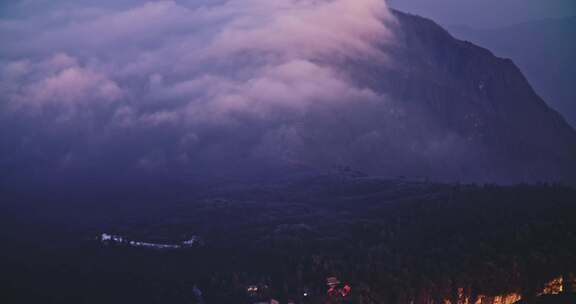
(499, 127)
(543, 49)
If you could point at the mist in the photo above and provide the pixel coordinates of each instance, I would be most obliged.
(176, 83)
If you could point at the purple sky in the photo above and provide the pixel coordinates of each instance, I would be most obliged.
(487, 13)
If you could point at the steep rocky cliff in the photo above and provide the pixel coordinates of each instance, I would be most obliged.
(463, 113)
(543, 49)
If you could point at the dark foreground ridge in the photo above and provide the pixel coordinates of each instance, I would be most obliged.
(389, 241)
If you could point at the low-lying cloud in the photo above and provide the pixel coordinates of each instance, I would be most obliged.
(161, 82)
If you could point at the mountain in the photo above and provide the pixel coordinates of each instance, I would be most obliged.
(543, 49)
(426, 105)
(462, 112)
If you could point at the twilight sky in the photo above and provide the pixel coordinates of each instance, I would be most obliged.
(487, 13)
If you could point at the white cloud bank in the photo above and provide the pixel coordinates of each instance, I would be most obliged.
(184, 64)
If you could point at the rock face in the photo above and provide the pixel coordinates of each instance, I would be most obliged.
(543, 49)
(463, 113)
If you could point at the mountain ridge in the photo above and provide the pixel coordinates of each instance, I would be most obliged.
(544, 51)
(466, 77)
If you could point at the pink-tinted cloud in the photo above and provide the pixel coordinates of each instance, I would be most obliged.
(58, 81)
(188, 65)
